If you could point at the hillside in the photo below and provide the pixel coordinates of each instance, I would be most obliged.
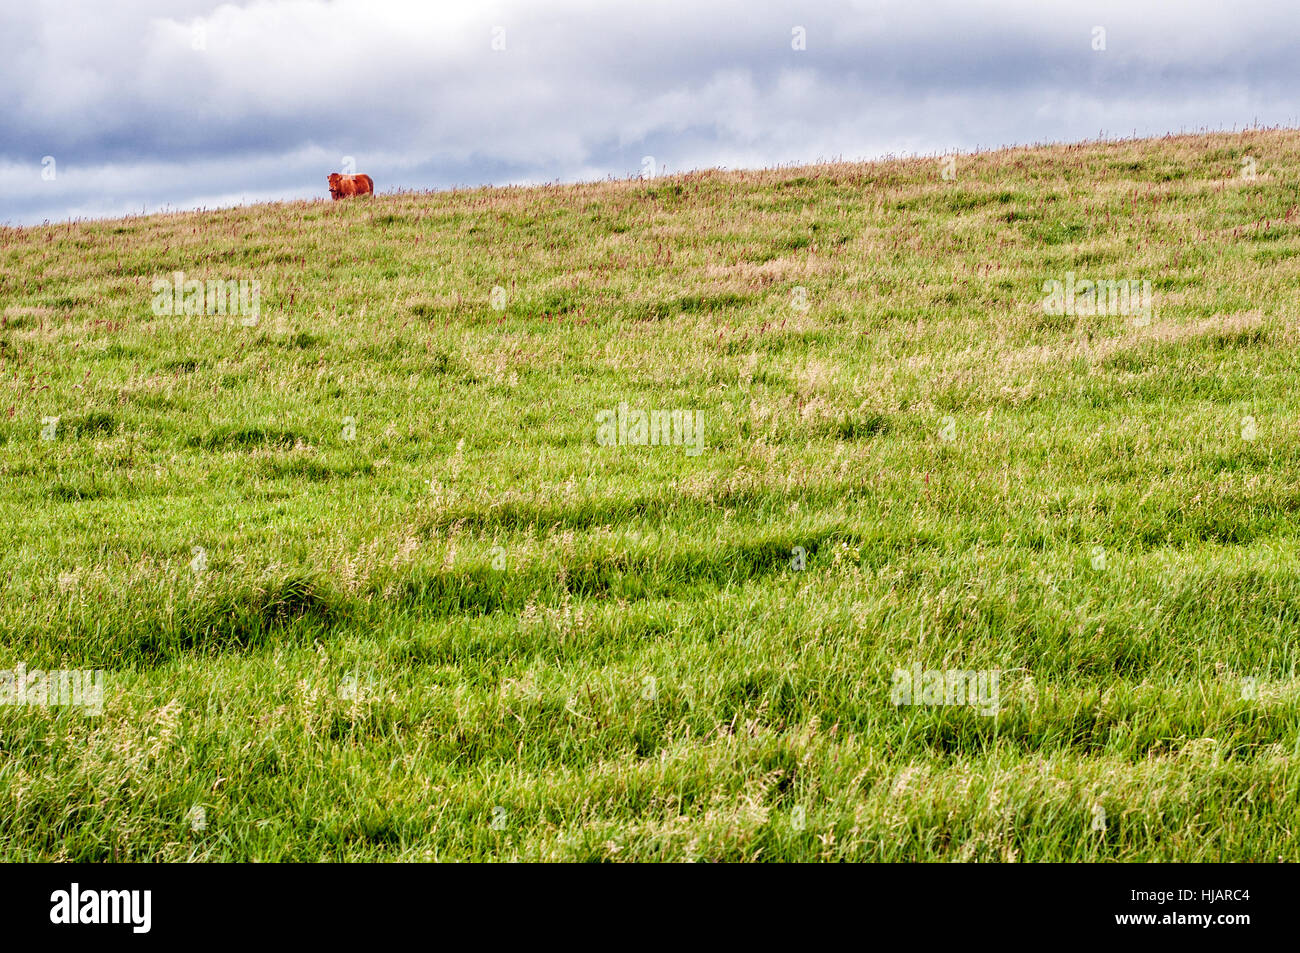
(387, 567)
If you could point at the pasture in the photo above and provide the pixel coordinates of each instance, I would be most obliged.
(387, 570)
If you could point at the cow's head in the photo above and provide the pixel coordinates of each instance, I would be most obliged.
(334, 181)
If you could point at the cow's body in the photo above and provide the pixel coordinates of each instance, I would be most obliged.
(342, 186)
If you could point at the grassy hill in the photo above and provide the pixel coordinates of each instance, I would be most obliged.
(367, 579)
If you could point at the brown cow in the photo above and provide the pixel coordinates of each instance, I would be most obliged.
(341, 186)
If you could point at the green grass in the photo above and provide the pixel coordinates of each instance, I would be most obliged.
(475, 632)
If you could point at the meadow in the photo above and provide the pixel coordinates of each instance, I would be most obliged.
(367, 580)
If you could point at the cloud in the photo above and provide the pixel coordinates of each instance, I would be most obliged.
(154, 104)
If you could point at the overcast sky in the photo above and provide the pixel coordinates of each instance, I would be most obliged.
(114, 108)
